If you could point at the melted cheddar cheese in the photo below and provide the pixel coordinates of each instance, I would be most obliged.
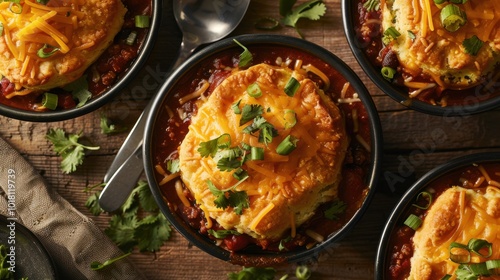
(80, 30)
(426, 48)
(457, 215)
(284, 190)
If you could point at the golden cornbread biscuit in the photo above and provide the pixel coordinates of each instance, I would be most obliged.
(426, 47)
(283, 190)
(77, 31)
(457, 215)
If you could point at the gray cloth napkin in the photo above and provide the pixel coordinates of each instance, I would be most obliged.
(71, 238)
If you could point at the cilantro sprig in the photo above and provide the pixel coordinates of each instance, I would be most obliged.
(238, 200)
(69, 148)
(336, 208)
(138, 223)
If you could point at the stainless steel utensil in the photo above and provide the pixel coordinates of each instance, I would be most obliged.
(201, 22)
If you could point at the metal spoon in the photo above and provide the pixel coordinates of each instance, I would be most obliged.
(201, 22)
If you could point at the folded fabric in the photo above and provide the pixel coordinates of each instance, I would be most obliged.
(71, 238)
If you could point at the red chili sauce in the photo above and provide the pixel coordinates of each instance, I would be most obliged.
(171, 131)
(400, 246)
(102, 74)
(368, 26)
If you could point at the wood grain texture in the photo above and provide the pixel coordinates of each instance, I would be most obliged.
(413, 144)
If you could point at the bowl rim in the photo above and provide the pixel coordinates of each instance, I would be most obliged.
(105, 97)
(278, 40)
(475, 107)
(413, 191)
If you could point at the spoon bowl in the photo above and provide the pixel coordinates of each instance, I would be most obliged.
(201, 22)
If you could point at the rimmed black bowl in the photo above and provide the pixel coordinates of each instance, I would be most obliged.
(105, 97)
(474, 101)
(167, 96)
(25, 252)
(439, 175)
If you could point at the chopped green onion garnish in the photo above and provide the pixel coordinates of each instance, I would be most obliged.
(236, 107)
(15, 7)
(388, 72)
(452, 17)
(413, 221)
(439, 1)
(287, 145)
(476, 245)
(493, 266)
(459, 253)
(245, 57)
(222, 233)
(411, 35)
(390, 34)
(257, 153)
(446, 277)
(292, 86)
(472, 45)
(372, 5)
(479, 269)
(131, 38)
(49, 100)
(426, 195)
(290, 118)
(254, 90)
(141, 21)
(41, 52)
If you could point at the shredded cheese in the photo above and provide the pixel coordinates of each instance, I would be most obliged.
(261, 215)
(180, 193)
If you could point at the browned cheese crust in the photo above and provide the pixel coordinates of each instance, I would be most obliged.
(282, 189)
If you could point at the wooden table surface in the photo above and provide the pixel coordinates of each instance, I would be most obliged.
(411, 148)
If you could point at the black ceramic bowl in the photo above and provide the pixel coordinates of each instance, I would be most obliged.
(30, 258)
(168, 96)
(469, 102)
(110, 92)
(443, 175)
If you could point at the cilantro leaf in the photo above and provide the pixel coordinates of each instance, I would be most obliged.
(337, 207)
(151, 232)
(92, 204)
(97, 265)
(108, 128)
(249, 112)
(69, 148)
(210, 147)
(122, 231)
(267, 133)
(312, 10)
(173, 165)
(253, 273)
(229, 198)
(79, 90)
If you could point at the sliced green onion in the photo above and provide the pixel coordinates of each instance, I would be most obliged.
(493, 266)
(413, 221)
(49, 100)
(372, 5)
(141, 21)
(287, 145)
(41, 52)
(388, 72)
(411, 35)
(245, 57)
(254, 90)
(267, 23)
(459, 253)
(452, 17)
(257, 153)
(439, 1)
(15, 7)
(390, 34)
(479, 269)
(236, 107)
(477, 245)
(290, 118)
(131, 38)
(427, 195)
(291, 87)
(472, 45)
(446, 277)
